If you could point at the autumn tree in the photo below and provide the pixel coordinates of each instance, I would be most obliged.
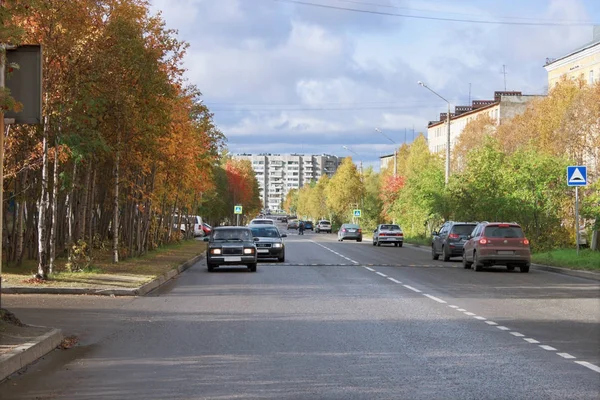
(345, 190)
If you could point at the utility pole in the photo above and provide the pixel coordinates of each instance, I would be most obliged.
(504, 73)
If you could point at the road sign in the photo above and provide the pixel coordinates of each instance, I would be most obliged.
(237, 209)
(577, 175)
(357, 213)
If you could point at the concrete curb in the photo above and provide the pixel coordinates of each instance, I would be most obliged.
(548, 268)
(29, 352)
(139, 291)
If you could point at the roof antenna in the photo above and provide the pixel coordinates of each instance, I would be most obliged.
(469, 93)
(504, 73)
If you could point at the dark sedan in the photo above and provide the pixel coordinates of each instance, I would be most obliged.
(231, 245)
(270, 242)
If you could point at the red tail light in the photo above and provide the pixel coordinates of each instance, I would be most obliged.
(344, 230)
(526, 242)
(401, 234)
(453, 236)
(483, 241)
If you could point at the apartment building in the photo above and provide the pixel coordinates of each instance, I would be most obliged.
(277, 174)
(504, 106)
(583, 62)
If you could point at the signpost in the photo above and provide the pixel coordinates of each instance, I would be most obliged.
(577, 176)
(237, 210)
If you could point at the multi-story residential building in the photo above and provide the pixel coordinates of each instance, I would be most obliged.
(504, 107)
(277, 174)
(583, 63)
(384, 161)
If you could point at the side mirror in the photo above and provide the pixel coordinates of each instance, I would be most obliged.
(375, 231)
(434, 233)
(206, 238)
(469, 237)
(283, 235)
(257, 239)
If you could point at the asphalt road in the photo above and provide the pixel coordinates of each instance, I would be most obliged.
(336, 321)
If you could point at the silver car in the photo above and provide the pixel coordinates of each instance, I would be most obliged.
(388, 233)
(350, 231)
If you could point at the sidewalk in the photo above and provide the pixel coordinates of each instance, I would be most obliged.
(21, 344)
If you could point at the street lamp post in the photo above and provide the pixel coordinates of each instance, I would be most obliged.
(448, 134)
(355, 153)
(395, 152)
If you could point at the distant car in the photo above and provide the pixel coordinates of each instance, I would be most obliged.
(284, 220)
(191, 222)
(388, 234)
(292, 224)
(497, 243)
(231, 245)
(270, 242)
(206, 228)
(308, 226)
(350, 231)
(323, 226)
(261, 221)
(450, 239)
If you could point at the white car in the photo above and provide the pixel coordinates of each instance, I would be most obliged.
(194, 222)
(261, 221)
(323, 226)
(388, 233)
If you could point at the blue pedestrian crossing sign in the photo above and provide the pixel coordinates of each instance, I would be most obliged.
(357, 213)
(576, 175)
(237, 209)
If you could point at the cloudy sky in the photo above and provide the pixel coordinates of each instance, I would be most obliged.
(286, 77)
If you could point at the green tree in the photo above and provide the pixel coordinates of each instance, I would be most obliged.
(345, 191)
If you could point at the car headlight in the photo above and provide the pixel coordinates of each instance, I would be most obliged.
(215, 251)
(277, 245)
(249, 251)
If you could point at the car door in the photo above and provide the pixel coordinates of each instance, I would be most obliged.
(469, 245)
(437, 244)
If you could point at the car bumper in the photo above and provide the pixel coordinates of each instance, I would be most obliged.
(456, 248)
(502, 259)
(390, 239)
(272, 252)
(351, 236)
(231, 260)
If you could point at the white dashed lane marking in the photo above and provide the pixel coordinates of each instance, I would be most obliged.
(335, 252)
(567, 356)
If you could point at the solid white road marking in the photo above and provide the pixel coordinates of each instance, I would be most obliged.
(517, 334)
(530, 340)
(370, 269)
(566, 355)
(469, 313)
(453, 306)
(381, 274)
(589, 365)
(393, 280)
(479, 318)
(491, 323)
(435, 298)
(546, 347)
(412, 288)
(503, 328)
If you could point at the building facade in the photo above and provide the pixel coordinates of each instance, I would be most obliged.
(504, 107)
(277, 174)
(583, 63)
(384, 161)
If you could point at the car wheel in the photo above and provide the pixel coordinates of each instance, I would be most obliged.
(434, 255)
(281, 258)
(252, 267)
(510, 267)
(210, 267)
(465, 263)
(374, 243)
(524, 268)
(445, 253)
(400, 244)
(359, 240)
(476, 264)
(378, 243)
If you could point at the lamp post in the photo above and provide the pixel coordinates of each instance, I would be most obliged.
(355, 153)
(395, 152)
(448, 135)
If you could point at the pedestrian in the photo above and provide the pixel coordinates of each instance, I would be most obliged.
(301, 228)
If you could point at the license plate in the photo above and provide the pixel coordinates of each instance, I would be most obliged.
(232, 259)
(351, 230)
(263, 250)
(505, 252)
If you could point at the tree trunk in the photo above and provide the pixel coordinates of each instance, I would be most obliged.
(84, 203)
(116, 210)
(53, 227)
(69, 214)
(43, 206)
(20, 221)
(90, 212)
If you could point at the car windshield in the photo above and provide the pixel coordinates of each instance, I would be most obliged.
(266, 232)
(390, 227)
(463, 229)
(232, 235)
(506, 232)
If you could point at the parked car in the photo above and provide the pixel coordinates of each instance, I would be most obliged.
(270, 242)
(308, 226)
(497, 243)
(263, 221)
(388, 233)
(323, 226)
(206, 228)
(449, 240)
(292, 224)
(231, 245)
(191, 222)
(350, 231)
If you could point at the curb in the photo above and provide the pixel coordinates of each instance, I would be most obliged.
(139, 291)
(29, 352)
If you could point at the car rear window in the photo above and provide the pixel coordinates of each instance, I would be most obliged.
(325, 222)
(351, 226)
(507, 232)
(390, 228)
(463, 229)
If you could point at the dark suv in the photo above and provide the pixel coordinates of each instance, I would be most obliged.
(449, 240)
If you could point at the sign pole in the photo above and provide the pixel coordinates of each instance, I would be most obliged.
(577, 217)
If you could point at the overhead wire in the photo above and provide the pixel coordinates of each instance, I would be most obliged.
(431, 18)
